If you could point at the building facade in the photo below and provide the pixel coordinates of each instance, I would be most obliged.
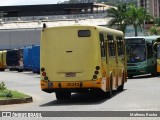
(152, 6)
(21, 25)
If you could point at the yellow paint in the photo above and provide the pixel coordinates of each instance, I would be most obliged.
(63, 52)
(2, 59)
(158, 65)
(85, 84)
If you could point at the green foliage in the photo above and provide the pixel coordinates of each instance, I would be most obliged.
(157, 21)
(154, 30)
(128, 14)
(137, 17)
(2, 86)
(4, 92)
(119, 16)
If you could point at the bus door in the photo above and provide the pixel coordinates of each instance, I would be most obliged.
(112, 59)
(151, 59)
(120, 58)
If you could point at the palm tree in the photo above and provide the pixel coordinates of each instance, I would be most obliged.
(119, 16)
(128, 14)
(137, 17)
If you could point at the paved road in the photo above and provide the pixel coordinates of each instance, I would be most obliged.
(140, 94)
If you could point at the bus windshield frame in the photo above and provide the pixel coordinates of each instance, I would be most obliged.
(136, 50)
(158, 51)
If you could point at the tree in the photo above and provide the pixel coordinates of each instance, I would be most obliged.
(128, 14)
(119, 16)
(137, 17)
(154, 30)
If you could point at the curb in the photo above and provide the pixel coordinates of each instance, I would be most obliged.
(16, 101)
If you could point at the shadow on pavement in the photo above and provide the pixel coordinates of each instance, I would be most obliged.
(82, 99)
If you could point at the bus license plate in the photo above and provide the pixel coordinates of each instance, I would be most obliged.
(70, 74)
(73, 84)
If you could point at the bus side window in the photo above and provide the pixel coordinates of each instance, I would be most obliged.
(120, 46)
(111, 45)
(102, 45)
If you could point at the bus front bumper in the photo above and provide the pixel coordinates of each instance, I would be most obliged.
(138, 71)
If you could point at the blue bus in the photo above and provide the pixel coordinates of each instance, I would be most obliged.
(35, 58)
(27, 58)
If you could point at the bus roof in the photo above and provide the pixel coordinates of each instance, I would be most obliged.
(147, 38)
(99, 28)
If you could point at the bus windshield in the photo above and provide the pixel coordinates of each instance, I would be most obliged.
(136, 53)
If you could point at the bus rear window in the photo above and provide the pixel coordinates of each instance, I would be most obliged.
(84, 33)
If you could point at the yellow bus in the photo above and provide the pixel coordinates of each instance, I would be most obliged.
(81, 58)
(3, 60)
(157, 51)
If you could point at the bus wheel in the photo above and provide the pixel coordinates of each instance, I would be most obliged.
(20, 70)
(63, 95)
(67, 95)
(121, 87)
(59, 95)
(154, 74)
(130, 76)
(2, 69)
(11, 69)
(109, 93)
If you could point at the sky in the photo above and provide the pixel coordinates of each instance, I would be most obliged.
(27, 2)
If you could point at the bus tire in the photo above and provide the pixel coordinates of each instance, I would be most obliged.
(67, 95)
(130, 76)
(121, 87)
(154, 74)
(11, 69)
(109, 92)
(59, 95)
(2, 69)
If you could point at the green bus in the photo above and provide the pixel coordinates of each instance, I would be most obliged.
(156, 48)
(141, 58)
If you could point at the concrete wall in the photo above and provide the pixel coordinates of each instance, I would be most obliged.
(11, 39)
